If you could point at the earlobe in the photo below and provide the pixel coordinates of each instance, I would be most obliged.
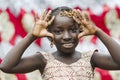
(51, 41)
(51, 44)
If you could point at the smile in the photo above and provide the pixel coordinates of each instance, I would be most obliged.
(68, 45)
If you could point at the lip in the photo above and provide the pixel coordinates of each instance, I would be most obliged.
(68, 45)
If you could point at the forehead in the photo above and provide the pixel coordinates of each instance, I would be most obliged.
(63, 20)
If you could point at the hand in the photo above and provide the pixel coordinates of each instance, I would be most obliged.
(82, 18)
(40, 28)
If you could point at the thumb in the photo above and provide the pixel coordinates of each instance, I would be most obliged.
(81, 35)
(50, 35)
(36, 18)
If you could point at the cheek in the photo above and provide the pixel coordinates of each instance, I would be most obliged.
(57, 39)
(75, 35)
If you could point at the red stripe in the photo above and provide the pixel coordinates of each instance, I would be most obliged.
(21, 76)
(0, 60)
(99, 20)
(104, 74)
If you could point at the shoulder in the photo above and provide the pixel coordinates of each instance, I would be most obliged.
(89, 53)
(97, 55)
(100, 58)
(41, 54)
(40, 57)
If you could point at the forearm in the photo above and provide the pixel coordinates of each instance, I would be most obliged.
(112, 46)
(14, 55)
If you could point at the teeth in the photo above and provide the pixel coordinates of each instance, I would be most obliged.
(68, 45)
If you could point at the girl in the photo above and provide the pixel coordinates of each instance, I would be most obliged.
(63, 27)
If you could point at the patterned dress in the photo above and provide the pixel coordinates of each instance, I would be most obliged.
(79, 70)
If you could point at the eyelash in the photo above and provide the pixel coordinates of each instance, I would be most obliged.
(58, 32)
(74, 30)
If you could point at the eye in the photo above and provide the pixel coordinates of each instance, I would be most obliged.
(74, 30)
(58, 32)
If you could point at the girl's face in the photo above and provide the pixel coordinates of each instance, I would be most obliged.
(66, 32)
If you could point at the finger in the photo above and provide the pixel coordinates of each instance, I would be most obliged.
(81, 28)
(36, 18)
(47, 16)
(77, 16)
(85, 24)
(76, 20)
(75, 13)
(43, 15)
(80, 14)
(86, 15)
(50, 35)
(51, 20)
(81, 35)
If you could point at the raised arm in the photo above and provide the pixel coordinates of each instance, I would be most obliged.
(12, 63)
(109, 61)
(103, 60)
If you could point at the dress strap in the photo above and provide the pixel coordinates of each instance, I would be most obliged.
(46, 55)
(88, 54)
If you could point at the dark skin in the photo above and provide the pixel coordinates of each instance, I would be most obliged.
(65, 34)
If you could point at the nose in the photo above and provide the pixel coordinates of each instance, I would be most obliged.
(67, 36)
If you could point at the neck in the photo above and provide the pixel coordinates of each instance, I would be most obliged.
(67, 55)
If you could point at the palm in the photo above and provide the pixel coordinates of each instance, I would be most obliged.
(40, 28)
(88, 28)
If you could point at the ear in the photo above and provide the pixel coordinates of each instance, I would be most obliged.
(50, 39)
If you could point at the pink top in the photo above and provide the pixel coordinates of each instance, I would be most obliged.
(79, 70)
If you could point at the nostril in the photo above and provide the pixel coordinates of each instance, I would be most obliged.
(67, 36)
(67, 39)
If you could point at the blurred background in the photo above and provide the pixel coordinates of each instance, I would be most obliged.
(17, 19)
